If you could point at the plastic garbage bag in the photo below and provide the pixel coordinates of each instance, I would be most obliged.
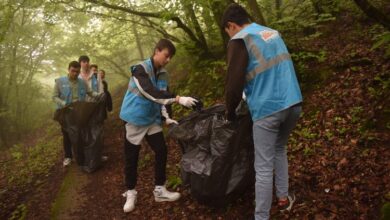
(217, 161)
(84, 123)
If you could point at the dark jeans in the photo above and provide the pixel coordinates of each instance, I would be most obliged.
(157, 143)
(67, 144)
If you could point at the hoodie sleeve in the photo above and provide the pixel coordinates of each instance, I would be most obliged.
(148, 90)
(237, 61)
(56, 95)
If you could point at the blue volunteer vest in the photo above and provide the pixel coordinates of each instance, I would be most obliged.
(94, 84)
(271, 84)
(66, 90)
(138, 110)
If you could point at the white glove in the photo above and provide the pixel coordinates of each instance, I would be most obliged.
(187, 101)
(243, 96)
(169, 121)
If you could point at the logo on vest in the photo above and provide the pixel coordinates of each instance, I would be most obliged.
(268, 35)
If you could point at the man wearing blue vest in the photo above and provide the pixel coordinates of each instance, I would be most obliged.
(142, 108)
(69, 89)
(92, 81)
(260, 66)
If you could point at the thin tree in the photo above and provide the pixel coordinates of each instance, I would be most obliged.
(374, 13)
(255, 11)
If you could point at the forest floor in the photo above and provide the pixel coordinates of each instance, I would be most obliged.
(338, 154)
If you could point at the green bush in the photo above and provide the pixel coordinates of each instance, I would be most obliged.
(27, 162)
(205, 82)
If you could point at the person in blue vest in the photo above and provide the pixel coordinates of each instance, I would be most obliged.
(260, 66)
(92, 81)
(68, 89)
(142, 110)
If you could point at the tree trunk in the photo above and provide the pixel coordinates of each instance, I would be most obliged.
(374, 13)
(13, 74)
(6, 21)
(208, 21)
(278, 5)
(256, 12)
(118, 67)
(218, 7)
(189, 11)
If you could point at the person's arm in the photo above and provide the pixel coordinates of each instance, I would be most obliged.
(148, 90)
(100, 84)
(56, 95)
(88, 86)
(165, 114)
(90, 91)
(105, 86)
(237, 59)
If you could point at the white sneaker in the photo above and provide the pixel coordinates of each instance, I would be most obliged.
(131, 199)
(161, 194)
(67, 161)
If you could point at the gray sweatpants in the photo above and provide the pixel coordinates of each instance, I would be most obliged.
(270, 136)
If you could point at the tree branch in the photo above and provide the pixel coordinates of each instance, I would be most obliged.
(160, 15)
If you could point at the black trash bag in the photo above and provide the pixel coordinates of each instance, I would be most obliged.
(83, 121)
(217, 161)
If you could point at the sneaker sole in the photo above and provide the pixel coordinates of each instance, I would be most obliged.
(127, 211)
(165, 199)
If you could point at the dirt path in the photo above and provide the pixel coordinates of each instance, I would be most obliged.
(71, 194)
(99, 195)
(106, 186)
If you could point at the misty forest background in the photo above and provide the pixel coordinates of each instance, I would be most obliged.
(340, 49)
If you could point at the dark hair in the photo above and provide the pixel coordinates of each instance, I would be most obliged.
(93, 65)
(164, 43)
(83, 58)
(102, 70)
(236, 14)
(74, 64)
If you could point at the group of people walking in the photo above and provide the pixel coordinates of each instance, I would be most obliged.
(84, 82)
(259, 66)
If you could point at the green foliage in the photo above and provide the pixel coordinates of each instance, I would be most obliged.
(23, 45)
(305, 56)
(307, 151)
(385, 211)
(301, 60)
(310, 77)
(329, 135)
(205, 82)
(382, 41)
(325, 18)
(174, 182)
(380, 85)
(144, 162)
(356, 114)
(306, 133)
(28, 162)
(19, 213)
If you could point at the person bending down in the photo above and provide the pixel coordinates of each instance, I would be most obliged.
(142, 108)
